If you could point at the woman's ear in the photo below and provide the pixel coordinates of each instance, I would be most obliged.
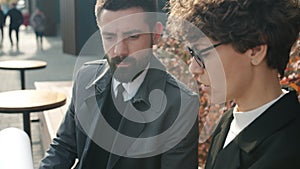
(257, 54)
(158, 29)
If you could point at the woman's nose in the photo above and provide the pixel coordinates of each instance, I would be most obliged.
(195, 68)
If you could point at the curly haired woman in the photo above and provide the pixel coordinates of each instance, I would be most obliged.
(250, 40)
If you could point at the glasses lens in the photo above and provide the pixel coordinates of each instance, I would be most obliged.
(197, 57)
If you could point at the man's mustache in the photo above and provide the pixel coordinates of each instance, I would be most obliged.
(118, 59)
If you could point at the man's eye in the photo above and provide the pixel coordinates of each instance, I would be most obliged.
(134, 36)
(108, 37)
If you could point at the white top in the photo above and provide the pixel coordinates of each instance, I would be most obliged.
(15, 149)
(131, 87)
(242, 119)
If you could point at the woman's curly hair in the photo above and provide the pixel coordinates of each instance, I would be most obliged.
(246, 24)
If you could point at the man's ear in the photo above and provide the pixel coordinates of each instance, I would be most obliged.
(158, 29)
(257, 54)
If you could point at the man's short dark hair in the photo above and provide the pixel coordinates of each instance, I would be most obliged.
(115, 5)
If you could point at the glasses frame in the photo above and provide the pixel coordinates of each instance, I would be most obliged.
(197, 54)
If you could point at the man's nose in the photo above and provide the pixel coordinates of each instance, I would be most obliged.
(121, 49)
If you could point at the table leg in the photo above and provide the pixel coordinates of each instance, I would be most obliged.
(26, 115)
(26, 123)
(22, 79)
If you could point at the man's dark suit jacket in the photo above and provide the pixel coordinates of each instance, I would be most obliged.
(91, 87)
(272, 141)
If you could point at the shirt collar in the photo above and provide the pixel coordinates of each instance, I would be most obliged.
(132, 87)
(243, 119)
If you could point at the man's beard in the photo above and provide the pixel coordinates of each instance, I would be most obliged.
(127, 74)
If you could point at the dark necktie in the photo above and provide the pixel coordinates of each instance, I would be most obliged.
(119, 102)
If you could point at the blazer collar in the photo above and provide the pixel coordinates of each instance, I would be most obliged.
(101, 79)
(272, 120)
(219, 138)
(276, 116)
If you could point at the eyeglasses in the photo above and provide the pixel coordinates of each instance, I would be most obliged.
(198, 54)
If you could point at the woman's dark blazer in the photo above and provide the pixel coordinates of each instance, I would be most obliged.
(272, 141)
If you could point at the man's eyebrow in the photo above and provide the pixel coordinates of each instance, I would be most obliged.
(127, 33)
(108, 33)
(134, 31)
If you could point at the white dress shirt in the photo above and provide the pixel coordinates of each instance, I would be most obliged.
(242, 119)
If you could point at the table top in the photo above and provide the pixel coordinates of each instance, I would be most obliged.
(19, 101)
(22, 64)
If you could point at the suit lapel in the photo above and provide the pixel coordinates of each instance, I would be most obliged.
(88, 110)
(229, 157)
(89, 123)
(88, 107)
(219, 139)
(130, 130)
(122, 145)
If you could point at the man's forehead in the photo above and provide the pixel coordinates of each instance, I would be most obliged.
(124, 26)
(132, 17)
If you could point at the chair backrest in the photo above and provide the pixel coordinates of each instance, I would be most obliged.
(15, 149)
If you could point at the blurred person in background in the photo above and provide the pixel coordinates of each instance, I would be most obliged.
(2, 24)
(38, 23)
(16, 20)
(26, 17)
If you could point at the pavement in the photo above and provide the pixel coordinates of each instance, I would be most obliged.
(60, 67)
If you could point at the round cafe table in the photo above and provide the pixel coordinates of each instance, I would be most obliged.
(28, 101)
(22, 66)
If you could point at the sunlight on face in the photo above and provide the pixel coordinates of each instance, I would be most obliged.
(127, 41)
